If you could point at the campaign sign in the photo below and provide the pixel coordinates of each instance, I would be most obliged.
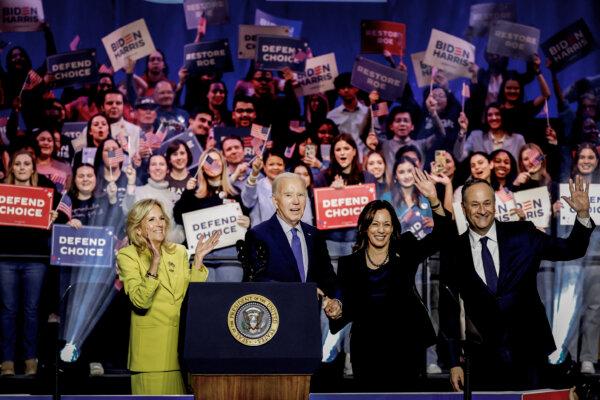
(513, 40)
(74, 67)
(261, 18)
(88, 246)
(368, 75)
(318, 75)
(248, 35)
(28, 206)
(422, 70)
(130, 41)
(449, 53)
(216, 12)
(203, 223)
(73, 130)
(192, 143)
(536, 205)
(505, 202)
(337, 208)
(568, 215)
(484, 14)
(412, 221)
(206, 57)
(21, 15)
(569, 45)
(276, 53)
(377, 36)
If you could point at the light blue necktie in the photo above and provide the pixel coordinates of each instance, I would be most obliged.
(297, 250)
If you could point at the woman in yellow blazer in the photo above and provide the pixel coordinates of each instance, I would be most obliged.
(156, 275)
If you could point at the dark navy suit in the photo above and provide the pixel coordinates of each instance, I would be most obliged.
(281, 264)
(515, 336)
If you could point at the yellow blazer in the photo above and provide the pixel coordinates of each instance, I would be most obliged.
(155, 320)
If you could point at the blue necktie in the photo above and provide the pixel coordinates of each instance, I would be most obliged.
(297, 250)
(491, 276)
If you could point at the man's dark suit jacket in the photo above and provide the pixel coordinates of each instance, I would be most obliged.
(512, 324)
(281, 264)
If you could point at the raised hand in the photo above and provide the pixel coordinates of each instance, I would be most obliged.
(580, 198)
(425, 184)
(204, 247)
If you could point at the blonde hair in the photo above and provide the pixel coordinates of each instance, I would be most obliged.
(33, 179)
(202, 181)
(545, 178)
(136, 216)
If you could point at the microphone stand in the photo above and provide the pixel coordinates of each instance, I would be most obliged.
(472, 337)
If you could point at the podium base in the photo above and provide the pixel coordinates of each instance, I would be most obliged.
(256, 387)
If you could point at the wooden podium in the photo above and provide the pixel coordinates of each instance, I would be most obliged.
(251, 340)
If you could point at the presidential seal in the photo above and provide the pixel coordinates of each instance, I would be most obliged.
(253, 320)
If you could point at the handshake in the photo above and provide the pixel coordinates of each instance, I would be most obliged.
(332, 307)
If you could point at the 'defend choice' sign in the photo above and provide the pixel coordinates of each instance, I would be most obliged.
(276, 53)
(74, 67)
(27, 206)
(337, 208)
(88, 246)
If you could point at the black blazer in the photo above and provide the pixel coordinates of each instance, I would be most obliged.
(281, 264)
(402, 317)
(513, 321)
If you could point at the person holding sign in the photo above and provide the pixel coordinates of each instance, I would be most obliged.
(493, 270)
(390, 323)
(213, 189)
(22, 268)
(156, 274)
(587, 325)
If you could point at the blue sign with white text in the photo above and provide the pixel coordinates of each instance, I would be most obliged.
(368, 75)
(264, 19)
(206, 57)
(88, 246)
(74, 67)
(276, 53)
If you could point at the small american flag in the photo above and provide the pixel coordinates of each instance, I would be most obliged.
(32, 80)
(65, 206)
(466, 91)
(74, 43)
(505, 195)
(105, 70)
(211, 163)
(115, 157)
(289, 151)
(260, 132)
(380, 109)
(538, 160)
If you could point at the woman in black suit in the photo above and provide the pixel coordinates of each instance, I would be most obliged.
(391, 327)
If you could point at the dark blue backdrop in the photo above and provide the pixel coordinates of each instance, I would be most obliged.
(327, 26)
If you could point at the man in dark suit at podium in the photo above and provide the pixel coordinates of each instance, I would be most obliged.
(493, 269)
(292, 250)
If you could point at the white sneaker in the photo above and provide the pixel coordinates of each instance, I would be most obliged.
(433, 369)
(587, 367)
(96, 369)
(348, 373)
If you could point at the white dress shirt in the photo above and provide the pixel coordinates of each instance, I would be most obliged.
(492, 245)
(287, 229)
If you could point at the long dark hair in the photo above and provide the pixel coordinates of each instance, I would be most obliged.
(397, 196)
(355, 176)
(512, 75)
(595, 175)
(366, 218)
(88, 132)
(512, 175)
